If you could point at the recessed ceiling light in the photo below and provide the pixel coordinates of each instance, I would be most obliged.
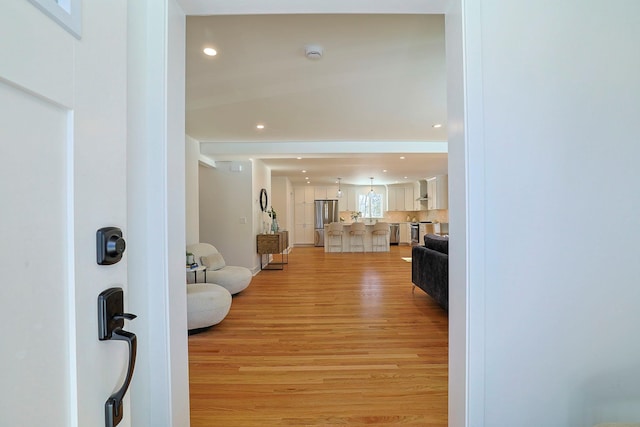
(306, 177)
(259, 126)
(406, 177)
(436, 126)
(299, 158)
(210, 51)
(401, 157)
(384, 170)
(304, 171)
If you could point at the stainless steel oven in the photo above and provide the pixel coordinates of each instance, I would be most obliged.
(415, 233)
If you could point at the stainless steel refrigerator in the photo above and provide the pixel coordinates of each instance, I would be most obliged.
(326, 211)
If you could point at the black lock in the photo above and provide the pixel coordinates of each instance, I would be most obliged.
(109, 245)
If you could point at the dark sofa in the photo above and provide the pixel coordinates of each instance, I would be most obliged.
(430, 268)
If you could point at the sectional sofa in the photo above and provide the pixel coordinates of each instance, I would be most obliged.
(430, 268)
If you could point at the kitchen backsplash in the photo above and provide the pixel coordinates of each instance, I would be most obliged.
(438, 215)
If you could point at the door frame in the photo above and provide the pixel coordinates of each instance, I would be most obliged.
(156, 211)
(156, 193)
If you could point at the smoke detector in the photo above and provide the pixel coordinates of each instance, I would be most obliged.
(313, 51)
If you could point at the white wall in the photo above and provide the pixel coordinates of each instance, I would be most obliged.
(192, 210)
(261, 179)
(557, 142)
(225, 199)
(229, 209)
(281, 190)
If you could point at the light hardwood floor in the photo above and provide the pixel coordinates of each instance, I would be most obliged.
(333, 339)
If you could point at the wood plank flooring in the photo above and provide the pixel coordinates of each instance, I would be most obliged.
(333, 339)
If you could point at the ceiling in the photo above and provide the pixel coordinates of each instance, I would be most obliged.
(373, 97)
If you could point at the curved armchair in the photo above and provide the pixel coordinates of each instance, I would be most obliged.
(233, 278)
(207, 305)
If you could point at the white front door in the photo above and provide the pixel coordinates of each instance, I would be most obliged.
(62, 176)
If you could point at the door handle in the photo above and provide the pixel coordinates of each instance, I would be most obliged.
(113, 406)
(111, 319)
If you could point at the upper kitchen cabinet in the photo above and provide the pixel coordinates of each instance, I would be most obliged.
(303, 194)
(438, 192)
(409, 198)
(348, 201)
(400, 198)
(395, 198)
(330, 192)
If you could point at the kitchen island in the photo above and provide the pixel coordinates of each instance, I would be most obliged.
(346, 240)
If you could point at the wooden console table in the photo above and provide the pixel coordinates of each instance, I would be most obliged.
(273, 244)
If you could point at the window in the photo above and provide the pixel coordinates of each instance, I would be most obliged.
(67, 13)
(370, 205)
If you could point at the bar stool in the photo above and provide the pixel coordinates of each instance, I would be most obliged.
(357, 232)
(334, 232)
(380, 231)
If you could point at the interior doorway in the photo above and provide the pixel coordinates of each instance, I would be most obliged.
(460, 355)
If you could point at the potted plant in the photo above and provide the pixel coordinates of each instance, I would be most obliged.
(274, 221)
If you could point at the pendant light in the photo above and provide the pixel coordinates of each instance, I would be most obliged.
(371, 194)
(339, 193)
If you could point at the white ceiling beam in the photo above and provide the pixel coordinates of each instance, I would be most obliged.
(291, 149)
(255, 7)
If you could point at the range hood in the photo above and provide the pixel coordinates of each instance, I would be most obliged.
(424, 196)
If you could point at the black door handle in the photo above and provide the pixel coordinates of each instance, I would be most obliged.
(113, 406)
(111, 319)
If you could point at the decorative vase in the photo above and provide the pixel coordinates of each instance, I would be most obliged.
(274, 226)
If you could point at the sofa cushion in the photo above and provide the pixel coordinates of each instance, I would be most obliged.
(437, 243)
(213, 261)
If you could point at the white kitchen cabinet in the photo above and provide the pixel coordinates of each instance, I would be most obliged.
(395, 198)
(327, 192)
(438, 191)
(304, 234)
(343, 202)
(320, 192)
(332, 192)
(409, 198)
(304, 223)
(401, 198)
(303, 194)
(303, 214)
(405, 234)
(391, 199)
(300, 213)
(418, 192)
(431, 192)
(349, 199)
